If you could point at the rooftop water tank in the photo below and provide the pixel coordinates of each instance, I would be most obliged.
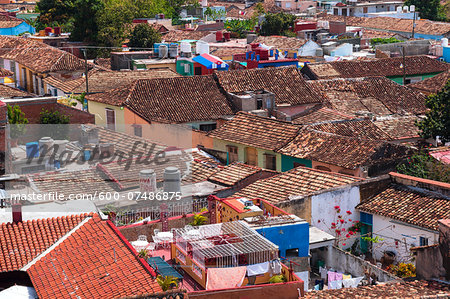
(185, 47)
(444, 42)
(163, 51)
(173, 50)
(202, 48)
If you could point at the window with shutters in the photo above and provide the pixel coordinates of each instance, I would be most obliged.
(271, 162)
(251, 156)
(110, 119)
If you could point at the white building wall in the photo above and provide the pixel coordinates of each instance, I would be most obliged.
(308, 49)
(323, 212)
(398, 238)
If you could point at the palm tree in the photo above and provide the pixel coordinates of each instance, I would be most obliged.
(198, 220)
(169, 282)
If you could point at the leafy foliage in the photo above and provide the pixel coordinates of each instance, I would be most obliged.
(144, 36)
(17, 120)
(198, 220)
(278, 279)
(404, 270)
(167, 283)
(277, 24)
(240, 27)
(59, 129)
(143, 253)
(428, 9)
(437, 119)
(379, 41)
(423, 165)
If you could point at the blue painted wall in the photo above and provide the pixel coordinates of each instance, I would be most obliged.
(21, 28)
(287, 162)
(446, 54)
(288, 237)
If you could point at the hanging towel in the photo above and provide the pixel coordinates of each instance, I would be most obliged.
(224, 278)
(338, 284)
(323, 272)
(332, 285)
(331, 276)
(352, 283)
(338, 276)
(344, 277)
(305, 277)
(275, 267)
(257, 269)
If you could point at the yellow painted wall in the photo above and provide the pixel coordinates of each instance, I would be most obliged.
(172, 66)
(221, 145)
(99, 110)
(353, 172)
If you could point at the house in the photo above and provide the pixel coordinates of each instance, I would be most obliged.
(206, 64)
(292, 94)
(414, 69)
(318, 114)
(195, 101)
(371, 96)
(353, 155)
(414, 289)
(175, 36)
(7, 92)
(296, 6)
(100, 80)
(425, 29)
(31, 61)
(433, 261)
(10, 25)
(79, 247)
(289, 46)
(401, 129)
(254, 140)
(432, 85)
(364, 9)
(260, 58)
(404, 214)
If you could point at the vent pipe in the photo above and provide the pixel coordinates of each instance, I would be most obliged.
(147, 181)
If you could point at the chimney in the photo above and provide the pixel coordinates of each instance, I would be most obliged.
(172, 179)
(17, 212)
(147, 181)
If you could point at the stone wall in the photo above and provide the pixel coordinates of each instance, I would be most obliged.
(343, 261)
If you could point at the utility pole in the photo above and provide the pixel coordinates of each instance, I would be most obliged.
(86, 77)
(86, 70)
(404, 65)
(414, 22)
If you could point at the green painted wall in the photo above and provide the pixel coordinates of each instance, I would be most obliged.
(287, 162)
(399, 79)
(221, 145)
(181, 69)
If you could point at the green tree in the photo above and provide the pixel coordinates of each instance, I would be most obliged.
(17, 120)
(55, 11)
(85, 26)
(277, 24)
(144, 36)
(437, 119)
(428, 9)
(59, 122)
(423, 165)
(199, 220)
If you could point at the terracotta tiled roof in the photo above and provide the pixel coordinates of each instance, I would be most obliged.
(101, 81)
(21, 242)
(94, 261)
(202, 167)
(281, 42)
(234, 173)
(342, 151)
(222, 52)
(433, 84)
(103, 62)
(410, 205)
(87, 181)
(257, 131)
(415, 65)
(361, 128)
(286, 83)
(177, 35)
(298, 181)
(399, 127)
(37, 56)
(170, 100)
(412, 290)
(376, 95)
(5, 73)
(423, 26)
(9, 21)
(8, 92)
(319, 114)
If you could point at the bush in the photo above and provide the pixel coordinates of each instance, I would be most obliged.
(404, 270)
